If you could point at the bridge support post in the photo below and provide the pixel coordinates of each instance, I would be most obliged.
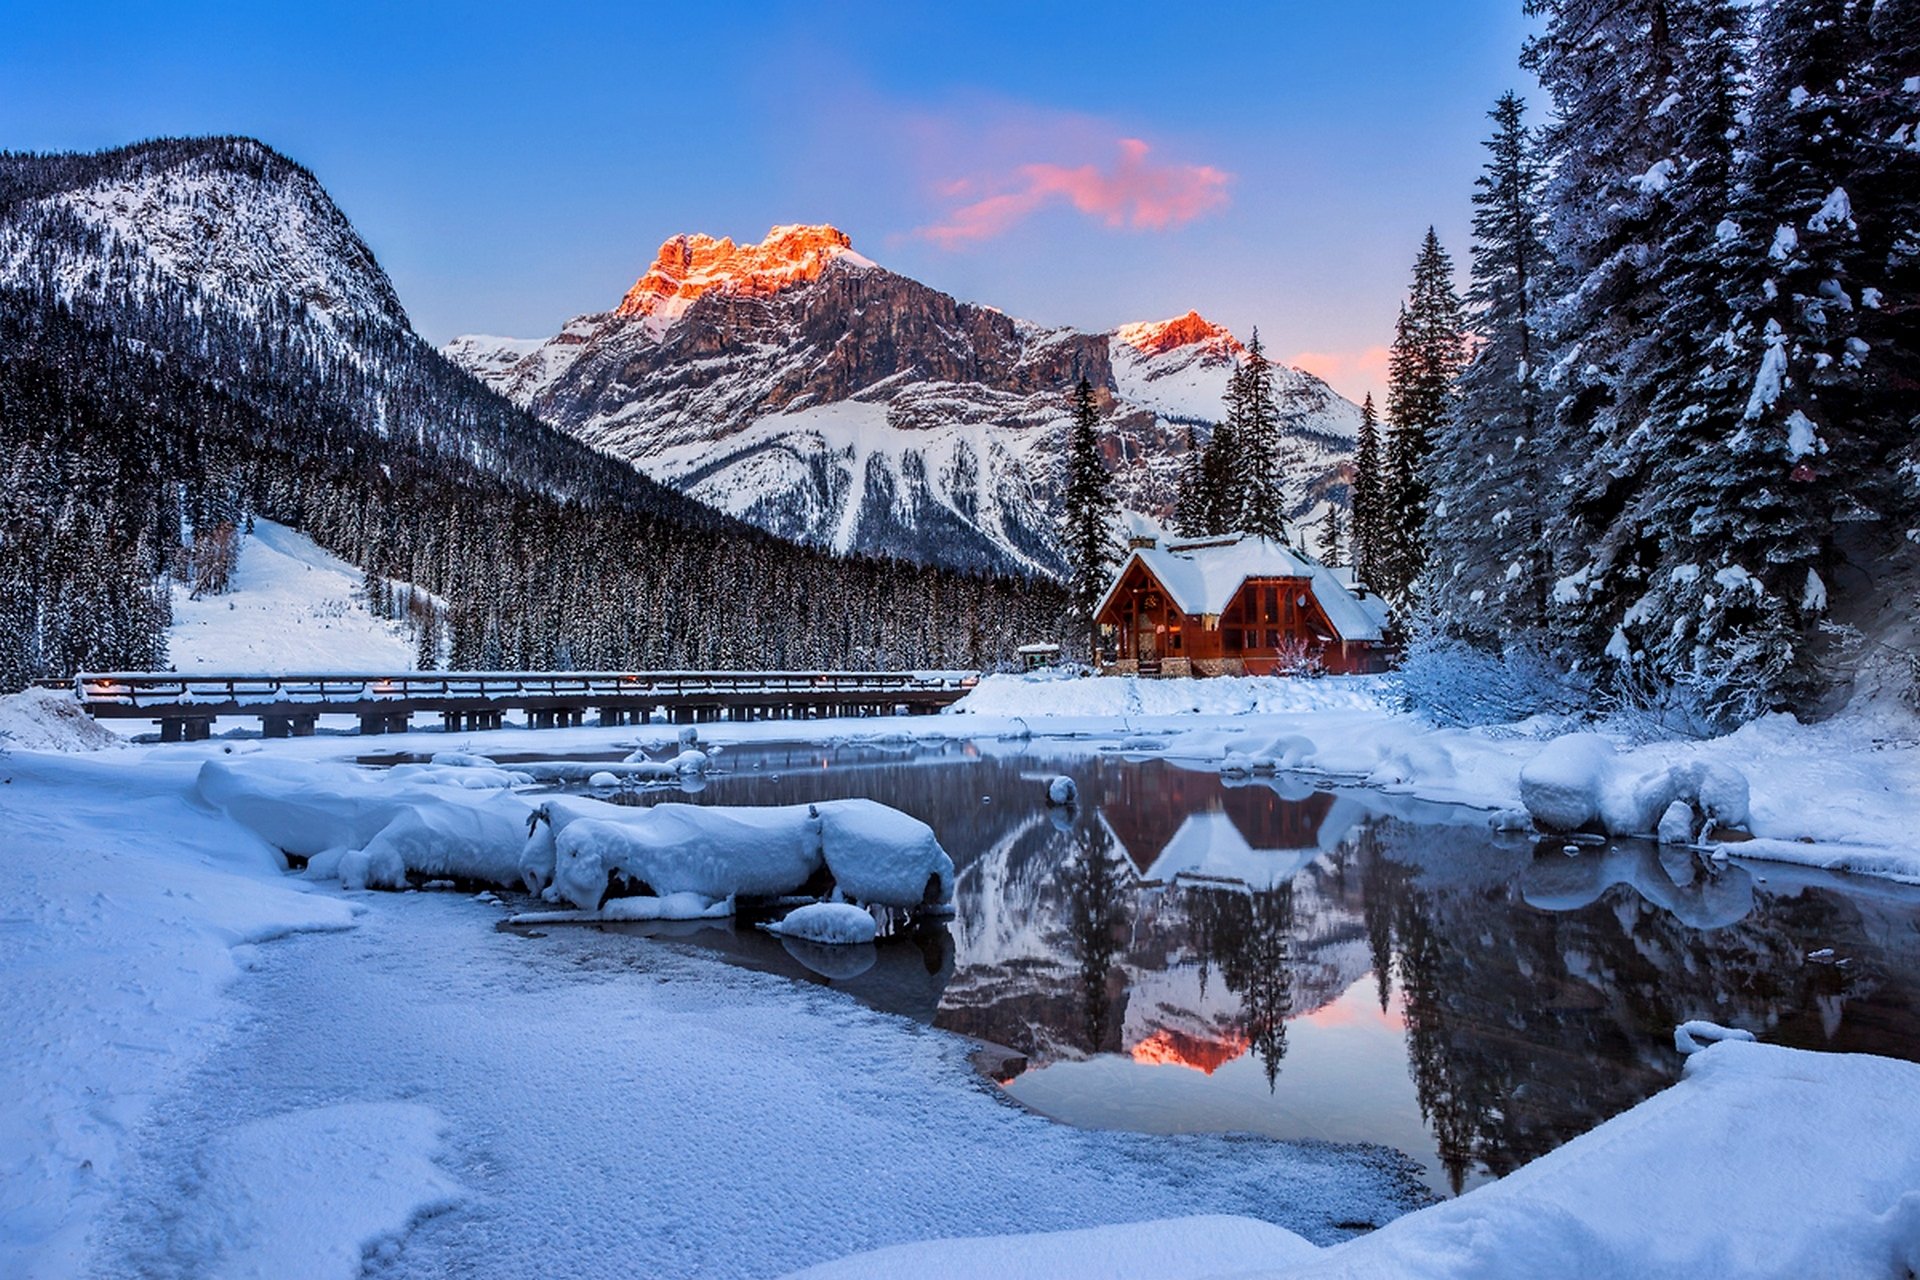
(276, 727)
(303, 726)
(170, 729)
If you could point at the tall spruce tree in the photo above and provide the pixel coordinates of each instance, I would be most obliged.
(1191, 505)
(1088, 509)
(1429, 348)
(1368, 499)
(1333, 539)
(1256, 491)
(1608, 148)
(1488, 568)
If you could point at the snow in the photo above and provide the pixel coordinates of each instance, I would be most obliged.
(1695, 1034)
(1061, 791)
(311, 1192)
(148, 880)
(293, 608)
(376, 829)
(1834, 212)
(1693, 1181)
(1802, 438)
(830, 923)
(50, 720)
(1172, 1249)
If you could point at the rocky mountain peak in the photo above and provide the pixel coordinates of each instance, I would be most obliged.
(1156, 337)
(689, 265)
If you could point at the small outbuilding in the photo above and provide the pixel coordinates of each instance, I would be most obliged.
(1033, 657)
(1235, 604)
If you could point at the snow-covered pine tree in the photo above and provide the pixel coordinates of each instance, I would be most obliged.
(1735, 538)
(1609, 151)
(1223, 465)
(1487, 566)
(1190, 505)
(1260, 501)
(1429, 348)
(1333, 538)
(1368, 495)
(1088, 509)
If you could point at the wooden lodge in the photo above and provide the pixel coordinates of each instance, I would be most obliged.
(1237, 605)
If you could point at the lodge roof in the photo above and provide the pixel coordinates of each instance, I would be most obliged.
(1204, 574)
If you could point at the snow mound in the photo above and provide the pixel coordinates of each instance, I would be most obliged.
(1580, 782)
(1061, 791)
(833, 923)
(50, 720)
(1694, 1035)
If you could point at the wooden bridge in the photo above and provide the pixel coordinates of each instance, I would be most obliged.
(185, 706)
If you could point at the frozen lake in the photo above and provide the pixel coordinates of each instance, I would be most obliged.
(1178, 953)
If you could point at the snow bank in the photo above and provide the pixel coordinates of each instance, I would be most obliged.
(1580, 781)
(1762, 1161)
(50, 720)
(833, 923)
(1024, 695)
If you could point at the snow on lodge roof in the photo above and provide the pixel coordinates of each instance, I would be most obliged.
(1202, 575)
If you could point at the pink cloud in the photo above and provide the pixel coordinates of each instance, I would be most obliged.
(1135, 193)
(1352, 373)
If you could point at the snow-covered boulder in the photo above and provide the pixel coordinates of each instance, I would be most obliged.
(1579, 782)
(834, 923)
(882, 857)
(1061, 791)
(601, 780)
(1563, 786)
(686, 848)
(1676, 824)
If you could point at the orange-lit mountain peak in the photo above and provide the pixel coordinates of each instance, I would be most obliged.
(1178, 1049)
(1153, 337)
(688, 266)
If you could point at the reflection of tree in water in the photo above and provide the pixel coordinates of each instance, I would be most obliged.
(1249, 936)
(1099, 885)
(1526, 1027)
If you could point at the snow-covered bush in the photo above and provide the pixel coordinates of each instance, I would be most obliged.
(1451, 682)
(1294, 658)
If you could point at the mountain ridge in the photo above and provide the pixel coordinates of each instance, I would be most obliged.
(806, 389)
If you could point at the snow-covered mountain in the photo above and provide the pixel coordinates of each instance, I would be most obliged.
(229, 220)
(800, 386)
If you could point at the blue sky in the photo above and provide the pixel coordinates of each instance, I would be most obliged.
(1085, 164)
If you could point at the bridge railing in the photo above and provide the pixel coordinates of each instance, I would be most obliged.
(124, 691)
